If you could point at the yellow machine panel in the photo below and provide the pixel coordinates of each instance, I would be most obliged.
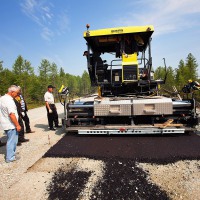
(119, 30)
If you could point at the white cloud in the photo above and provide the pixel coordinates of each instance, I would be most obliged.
(166, 16)
(30, 8)
(63, 22)
(47, 33)
(43, 14)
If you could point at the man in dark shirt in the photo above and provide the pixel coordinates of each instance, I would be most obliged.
(24, 114)
(21, 132)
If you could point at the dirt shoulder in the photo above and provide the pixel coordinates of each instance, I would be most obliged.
(14, 179)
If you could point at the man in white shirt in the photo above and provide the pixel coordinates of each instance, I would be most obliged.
(52, 114)
(9, 121)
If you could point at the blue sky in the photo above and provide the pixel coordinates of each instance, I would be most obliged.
(53, 29)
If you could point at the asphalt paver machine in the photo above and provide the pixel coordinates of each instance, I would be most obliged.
(128, 99)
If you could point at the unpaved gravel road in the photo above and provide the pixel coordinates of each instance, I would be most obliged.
(71, 169)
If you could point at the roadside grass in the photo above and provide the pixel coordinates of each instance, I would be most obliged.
(32, 105)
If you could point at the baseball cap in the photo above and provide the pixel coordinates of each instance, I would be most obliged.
(51, 86)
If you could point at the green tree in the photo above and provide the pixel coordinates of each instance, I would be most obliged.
(1, 66)
(44, 70)
(27, 75)
(62, 80)
(18, 69)
(85, 86)
(28, 69)
(44, 76)
(23, 71)
(191, 65)
(53, 74)
(186, 71)
(62, 73)
(18, 66)
(180, 75)
(170, 80)
(159, 73)
(35, 94)
(7, 78)
(72, 84)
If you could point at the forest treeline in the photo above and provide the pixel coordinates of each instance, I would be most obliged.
(34, 86)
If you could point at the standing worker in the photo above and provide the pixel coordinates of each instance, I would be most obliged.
(2, 143)
(21, 137)
(24, 114)
(9, 121)
(52, 114)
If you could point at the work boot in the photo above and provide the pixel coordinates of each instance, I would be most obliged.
(58, 126)
(52, 129)
(19, 144)
(23, 140)
(16, 158)
(30, 131)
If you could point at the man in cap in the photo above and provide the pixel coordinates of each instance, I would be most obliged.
(52, 114)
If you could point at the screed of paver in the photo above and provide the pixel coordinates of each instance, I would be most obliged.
(181, 180)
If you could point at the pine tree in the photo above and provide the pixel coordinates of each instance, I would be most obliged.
(85, 83)
(170, 80)
(191, 65)
(180, 75)
(1, 66)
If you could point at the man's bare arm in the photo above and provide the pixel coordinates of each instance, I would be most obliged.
(15, 121)
(47, 105)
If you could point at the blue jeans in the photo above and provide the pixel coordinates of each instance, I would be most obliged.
(12, 141)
